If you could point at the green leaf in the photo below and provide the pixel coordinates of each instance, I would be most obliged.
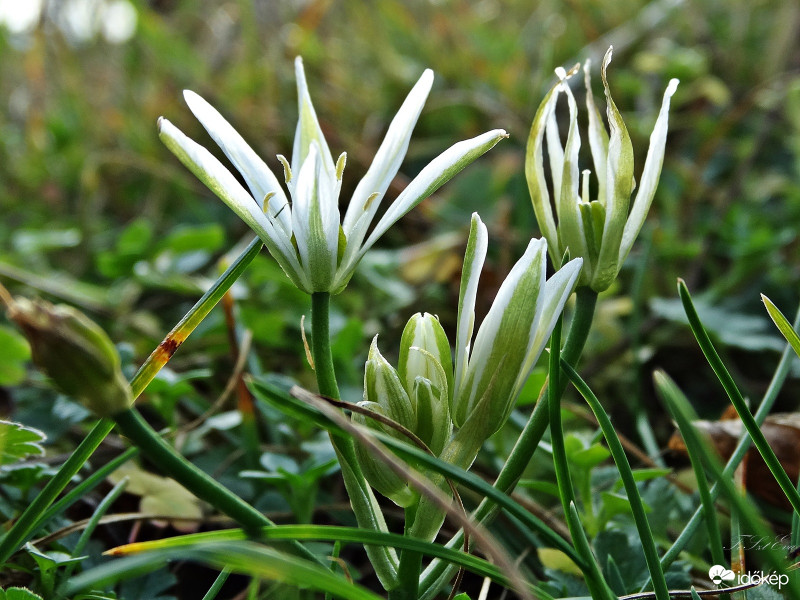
(160, 496)
(552, 558)
(783, 324)
(590, 457)
(18, 441)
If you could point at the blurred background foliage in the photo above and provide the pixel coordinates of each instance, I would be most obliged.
(97, 213)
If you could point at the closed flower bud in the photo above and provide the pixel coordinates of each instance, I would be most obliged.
(75, 353)
(425, 352)
(384, 395)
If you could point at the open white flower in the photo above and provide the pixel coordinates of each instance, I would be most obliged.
(305, 235)
(601, 231)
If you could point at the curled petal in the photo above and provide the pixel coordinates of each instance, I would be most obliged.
(474, 257)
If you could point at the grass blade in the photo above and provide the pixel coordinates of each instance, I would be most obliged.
(31, 518)
(243, 557)
(783, 324)
(417, 457)
(760, 442)
(681, 410)
(629, 481)
(331, 533)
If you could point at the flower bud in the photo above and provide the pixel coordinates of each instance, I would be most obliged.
(425, 352)
(385, 395)
(425, 367)
(75, 353)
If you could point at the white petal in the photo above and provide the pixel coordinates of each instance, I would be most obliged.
(619, 183)
(555, 151)
(220, 181)
(570, 222)
(598, 136)
(256, 173)
(486, 342)
(432, 177)
(308, 128)
(474, 257)
(650, 175)
(386, 163)
(556, 292)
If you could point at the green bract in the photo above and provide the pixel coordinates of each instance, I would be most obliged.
(601, 231)
(305, 235)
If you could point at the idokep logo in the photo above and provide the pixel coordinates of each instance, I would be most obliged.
(719, 573)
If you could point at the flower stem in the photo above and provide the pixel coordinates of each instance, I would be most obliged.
(33, 516)
(197, 481)
(410, 566)
(365, 507)
(321, 345)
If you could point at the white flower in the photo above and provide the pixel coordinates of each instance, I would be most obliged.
(601, 231)
(490, 373)
(305, 235)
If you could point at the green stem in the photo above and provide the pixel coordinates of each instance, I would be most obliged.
(25, 526)
(528, 441)
(86, 486)
(410, 566)
(365, 507)
(321, 345)
(197, 481)
(566, 491)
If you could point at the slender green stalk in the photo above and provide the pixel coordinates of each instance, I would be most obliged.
(86, 486)
(683, 413)
(365, 507)
(25, 526)
(410, 566)
(706, 501)
(215, 588)
(101, 510)
(197, 481)
(159, 357)
(421, 459)
(637, 506)
(586, 301)
(566, 492)
(330, 533)
(795, 533)
(760, 442)
(595, 581)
